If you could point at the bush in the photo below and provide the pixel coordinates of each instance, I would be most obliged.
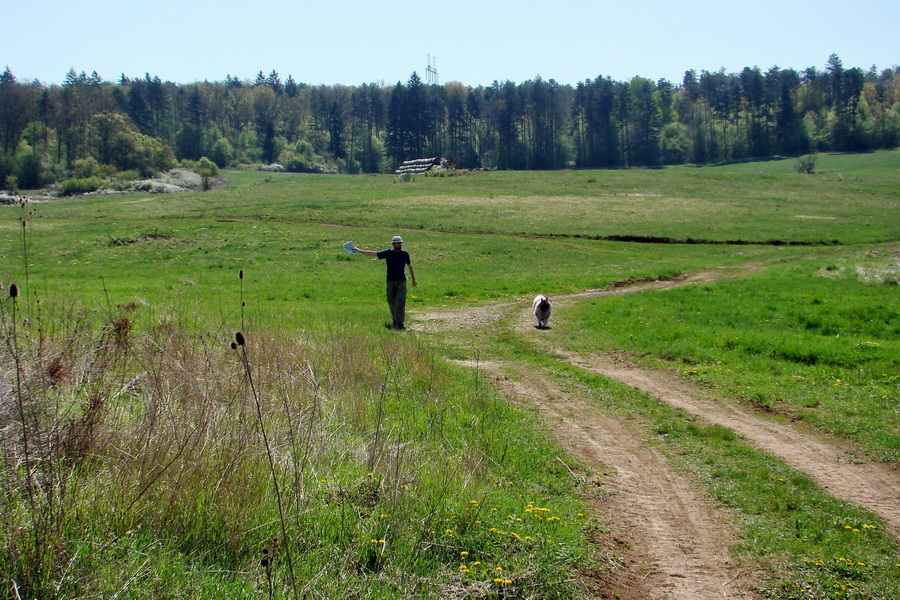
(807, 165)
(206, 165)
(85, 167)
(222, 153)
(301, 159)
(130, 175)
(7, 167)
(30, 171)
(83, 185)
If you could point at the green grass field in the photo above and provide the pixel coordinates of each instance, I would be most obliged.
(164, 463)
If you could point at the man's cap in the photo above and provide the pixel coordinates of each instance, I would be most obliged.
(397, 240)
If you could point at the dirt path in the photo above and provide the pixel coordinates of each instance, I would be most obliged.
(668, 524)
(672, 539)
(480, 317)
(831, 463)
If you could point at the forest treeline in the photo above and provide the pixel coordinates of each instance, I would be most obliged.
(145, 125)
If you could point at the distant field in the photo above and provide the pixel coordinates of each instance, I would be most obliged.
(853, 199)
(483, 236)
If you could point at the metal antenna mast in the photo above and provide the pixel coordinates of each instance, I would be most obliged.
(431, 73)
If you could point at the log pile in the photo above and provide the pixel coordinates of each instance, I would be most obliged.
(416, 166)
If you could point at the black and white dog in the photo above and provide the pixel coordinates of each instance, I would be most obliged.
(541, 311)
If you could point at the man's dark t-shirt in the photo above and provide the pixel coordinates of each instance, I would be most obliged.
(396, 263)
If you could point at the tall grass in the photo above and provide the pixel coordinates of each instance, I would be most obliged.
(137, 463)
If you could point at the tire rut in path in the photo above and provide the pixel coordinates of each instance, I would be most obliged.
(675, 540)
(833, 466)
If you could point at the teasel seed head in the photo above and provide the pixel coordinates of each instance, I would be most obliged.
(234, 345)
(13, 291)
(241, 274)
(239, 338)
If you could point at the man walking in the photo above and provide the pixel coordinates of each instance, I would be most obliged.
(397, 260)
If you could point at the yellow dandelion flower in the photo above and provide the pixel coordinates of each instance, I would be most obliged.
(498, 580)
(463, 553)
(476, 563)
(507, 581)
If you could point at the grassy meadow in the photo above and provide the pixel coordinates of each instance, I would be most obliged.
(147, 453)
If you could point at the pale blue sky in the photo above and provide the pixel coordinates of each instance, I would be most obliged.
(473, 41)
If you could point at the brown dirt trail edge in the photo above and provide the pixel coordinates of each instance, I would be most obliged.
(674, 539)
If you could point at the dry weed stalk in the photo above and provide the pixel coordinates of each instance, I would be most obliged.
(51, 409)
(248, 372)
